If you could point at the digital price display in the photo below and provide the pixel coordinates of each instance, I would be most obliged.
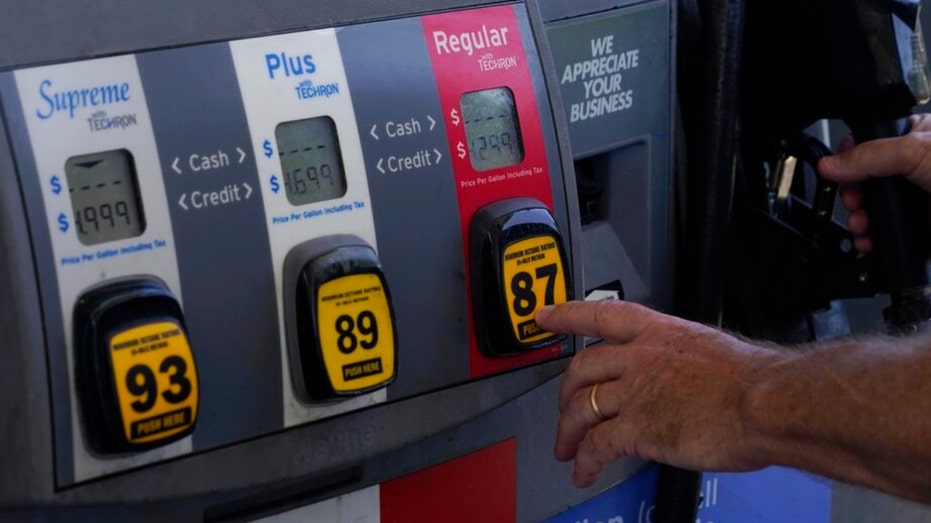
(136, 376)
(105, 199)
(492, 128)
(311, 162)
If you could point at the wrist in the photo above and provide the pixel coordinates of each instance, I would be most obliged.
(766, 410)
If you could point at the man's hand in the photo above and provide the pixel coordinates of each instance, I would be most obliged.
(672, 390)
(908, 155)
(680, 393)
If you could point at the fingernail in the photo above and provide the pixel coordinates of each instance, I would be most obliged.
(544, 313)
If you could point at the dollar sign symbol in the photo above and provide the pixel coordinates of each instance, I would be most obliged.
(267, 148)
(275, 186)
(56, 185)
(62, 222)
(461, 149)
(455, 116)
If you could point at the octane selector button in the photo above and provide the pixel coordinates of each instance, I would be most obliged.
(340, 321)
(518, 266)
(136, 374)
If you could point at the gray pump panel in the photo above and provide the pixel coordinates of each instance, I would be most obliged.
(238, 273)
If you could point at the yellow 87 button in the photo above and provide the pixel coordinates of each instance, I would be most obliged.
(533, 277)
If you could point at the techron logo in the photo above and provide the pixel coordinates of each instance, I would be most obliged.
(55, 101)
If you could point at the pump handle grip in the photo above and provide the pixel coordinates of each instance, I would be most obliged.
(901, 231)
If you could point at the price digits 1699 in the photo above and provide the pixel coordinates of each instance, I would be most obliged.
(299, 181)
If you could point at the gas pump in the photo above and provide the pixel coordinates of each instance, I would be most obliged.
(281, 261)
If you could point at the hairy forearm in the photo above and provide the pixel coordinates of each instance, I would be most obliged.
(858, 411)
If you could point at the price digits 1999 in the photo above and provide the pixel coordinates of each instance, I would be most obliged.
(103, 214)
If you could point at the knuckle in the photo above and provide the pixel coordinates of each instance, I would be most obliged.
(575, 411)
(603, 314)
(588, 446)
(607, 444)
(920, 122)
(577, 363)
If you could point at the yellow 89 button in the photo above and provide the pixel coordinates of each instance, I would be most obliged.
(156, 381)
(533, 277)
(356, 331)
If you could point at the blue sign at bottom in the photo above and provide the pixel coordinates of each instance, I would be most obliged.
(628, 502)
(773, 495)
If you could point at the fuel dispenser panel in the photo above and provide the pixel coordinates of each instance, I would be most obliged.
(488, 95)
(90, 229)
(253, 235)
(308, 159)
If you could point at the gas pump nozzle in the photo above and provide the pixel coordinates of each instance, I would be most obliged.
(864, 62)
(901, 234)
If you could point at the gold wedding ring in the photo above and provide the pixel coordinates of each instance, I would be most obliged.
(594, 402)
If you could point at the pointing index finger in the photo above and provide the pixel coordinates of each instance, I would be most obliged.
(614, 321)
(617, 322)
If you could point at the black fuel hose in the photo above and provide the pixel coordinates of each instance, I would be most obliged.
(711, 116)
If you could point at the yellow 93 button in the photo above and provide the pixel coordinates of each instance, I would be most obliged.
(156, 381)
(136, 374)
(340, 321)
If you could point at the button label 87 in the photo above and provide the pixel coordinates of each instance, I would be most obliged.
(533, 277)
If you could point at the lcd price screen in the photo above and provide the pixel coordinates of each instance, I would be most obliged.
(492, 128)
(105, 198)
(311, 163)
